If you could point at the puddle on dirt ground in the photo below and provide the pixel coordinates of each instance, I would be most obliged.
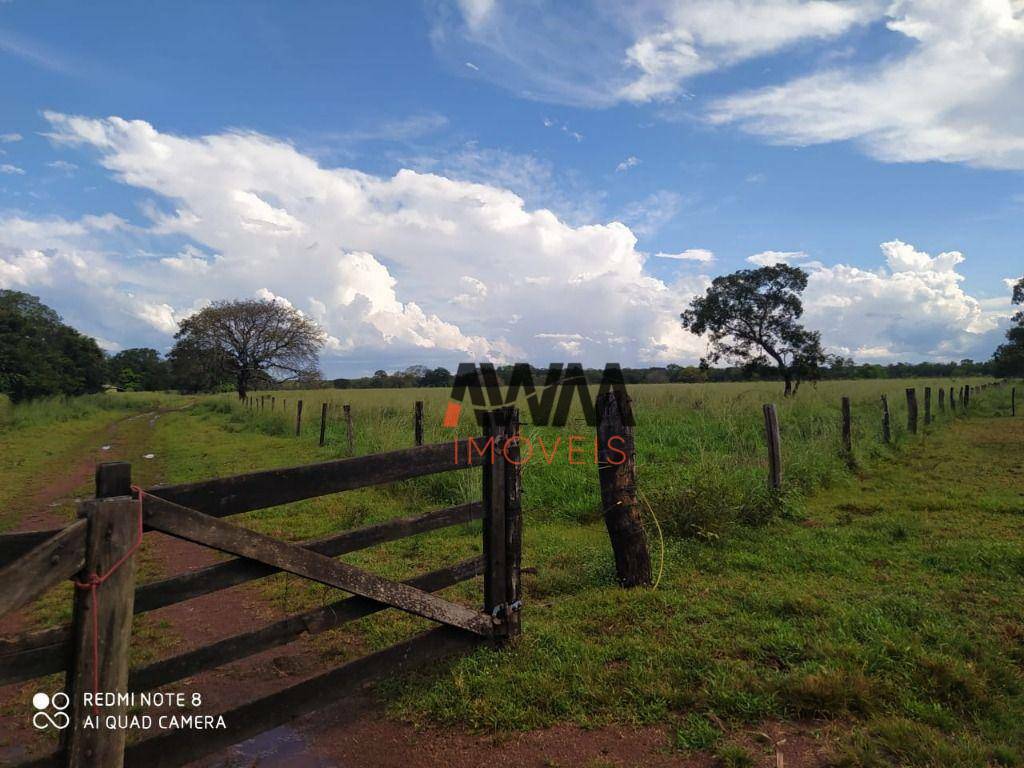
(282, 747)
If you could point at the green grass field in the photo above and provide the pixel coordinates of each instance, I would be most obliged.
(885, 597)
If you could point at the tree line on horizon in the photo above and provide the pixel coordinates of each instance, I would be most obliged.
(750, 318)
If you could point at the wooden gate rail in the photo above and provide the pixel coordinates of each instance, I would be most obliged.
(222, 497)
(33, 562)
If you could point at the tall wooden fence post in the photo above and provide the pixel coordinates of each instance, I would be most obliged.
(616, 471)
(886, 421)
(348, 424)
(942, 399)
(967, 396)
(502, 525)
(418, 422)
(323, 423)
(847, 429)
(298, 419)
(912, 410)
(927, 406)
(1013, 401)
(113, 529)
(952, 399)
(774, 440)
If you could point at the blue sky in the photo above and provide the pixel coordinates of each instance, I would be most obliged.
(259, 148)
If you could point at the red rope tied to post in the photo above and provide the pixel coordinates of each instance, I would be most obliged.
(92, 583)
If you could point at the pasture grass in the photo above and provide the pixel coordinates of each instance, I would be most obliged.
(883, 592)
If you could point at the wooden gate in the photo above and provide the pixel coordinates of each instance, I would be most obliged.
(97, 552)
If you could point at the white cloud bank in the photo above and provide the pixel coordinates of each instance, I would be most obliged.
(907, 80)
(416, 267)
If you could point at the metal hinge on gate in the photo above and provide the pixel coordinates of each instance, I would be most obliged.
(500, 612)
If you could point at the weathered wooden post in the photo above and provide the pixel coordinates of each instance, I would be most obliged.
(502, 524)
(771, 430)
(298, 419)
(273, 402)
(102, 624)
(323, 423)
(348, 423)
(616, 471)
(927, 406)
(418, 422)
(952, 399)
(942, 399)
(1013, 401)
(912, 410)
(967, 396)
(847, 429)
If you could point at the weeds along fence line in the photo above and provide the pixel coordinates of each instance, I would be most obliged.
(98, 552)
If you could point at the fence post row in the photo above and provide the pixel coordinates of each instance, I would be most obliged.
(927, 405)
(616, 472)
(502, 527)
(912, 410)
(418, 422)
(886, 421)
(771, 428)
(847, 428)
(112, 530)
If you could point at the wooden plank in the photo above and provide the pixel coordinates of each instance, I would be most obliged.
(103, 629)
(248, 720)
(225, 496)
(14, 545)
(58, 558)
(203, 529)
(616, 473)
(35, 654)
(513, 527)
(287, 630)
(912, 410)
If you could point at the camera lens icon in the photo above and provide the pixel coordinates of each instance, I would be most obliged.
(42, 719)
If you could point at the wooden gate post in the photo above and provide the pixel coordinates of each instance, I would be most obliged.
(323, 423)
(886, 421)
(912, 410)
(616, 471)
(348, 423)
(502, 526)
(774, 440)
(113, 530)
(298, 419)
(927, 406)
(847, 429)
(418, 422)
